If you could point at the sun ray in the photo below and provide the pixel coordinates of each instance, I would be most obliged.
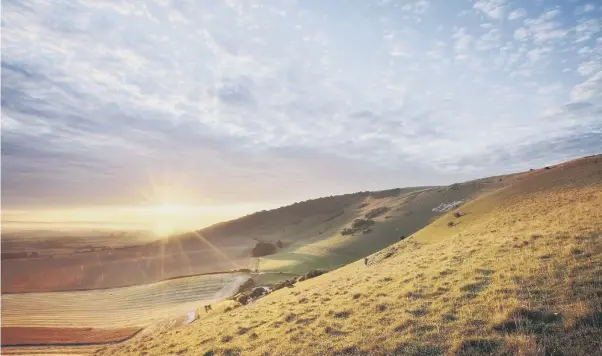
(185, 255)
(217, 250)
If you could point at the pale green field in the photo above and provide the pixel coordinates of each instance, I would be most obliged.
(319, 244)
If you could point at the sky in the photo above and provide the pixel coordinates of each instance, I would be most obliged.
(258, 103)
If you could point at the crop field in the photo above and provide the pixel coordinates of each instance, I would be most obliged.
(29, 336)
(49, 350)
(119, 307)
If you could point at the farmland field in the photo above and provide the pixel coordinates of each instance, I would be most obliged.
(118, 307)
(63, 336)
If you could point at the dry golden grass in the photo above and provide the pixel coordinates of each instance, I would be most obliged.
(520, 273)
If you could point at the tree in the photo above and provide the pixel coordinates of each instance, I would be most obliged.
(263, 249)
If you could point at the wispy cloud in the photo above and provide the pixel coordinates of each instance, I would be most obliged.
(517, 14)
(492, 8)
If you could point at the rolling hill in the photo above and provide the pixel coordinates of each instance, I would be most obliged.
(515, 270)
(310, 231)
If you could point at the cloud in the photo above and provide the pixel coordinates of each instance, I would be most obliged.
(521, 34)
(587, 29)
(489, 40)
(418, 7)
(517, 14)
(545, 28)
(580, 10)
(537, 53)
(235, 91)
(590, 89)
(589, 67)
(550, 89)
(492, 8)
(462, 42)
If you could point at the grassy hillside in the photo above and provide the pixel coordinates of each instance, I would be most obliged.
(321, 244)
(519, 273)
(310, 231)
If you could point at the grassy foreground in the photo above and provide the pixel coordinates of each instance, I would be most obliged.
(520, 273)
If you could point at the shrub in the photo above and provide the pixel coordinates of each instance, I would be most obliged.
(357, 225)
(376, 212)
(361, 223)
(257, 292)
(314, 273)
(263, 249)
(347, 231)
(286, 283)
(243, 299)
(250, 283)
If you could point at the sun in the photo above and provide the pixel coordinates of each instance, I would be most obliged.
(163, 229)
(166, 218)
(168, 209)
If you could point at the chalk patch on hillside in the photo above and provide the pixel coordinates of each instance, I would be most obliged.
(190, 317)
(445, 207)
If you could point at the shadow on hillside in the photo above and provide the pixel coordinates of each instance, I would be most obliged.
(417, 350)
(593, 321)
(529, 321)
(479, 347)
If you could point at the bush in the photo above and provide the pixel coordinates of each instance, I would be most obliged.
(286, 283)
(249, 283)
(263, 249)
(376, 212)
(257, 292)
(314, 273)
(243, 299)
(361, 223)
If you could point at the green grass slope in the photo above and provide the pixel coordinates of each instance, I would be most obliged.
(312, 230)
(520, 273)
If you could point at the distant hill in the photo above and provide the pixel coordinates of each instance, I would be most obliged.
(311, 233)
